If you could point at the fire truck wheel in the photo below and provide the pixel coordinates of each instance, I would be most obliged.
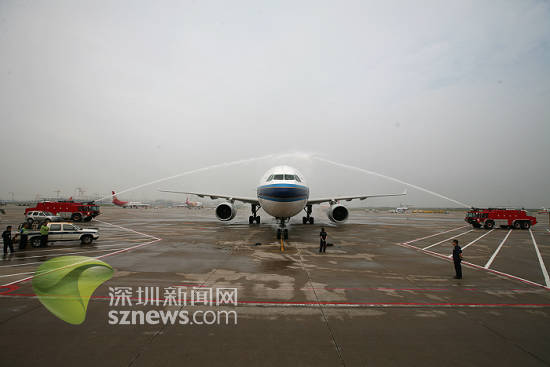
(77, 217)
(525, 225)
(517, 224)
(489, 224)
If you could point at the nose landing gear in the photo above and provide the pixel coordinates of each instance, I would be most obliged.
(308, 218)
(282, 231)
(254, 218)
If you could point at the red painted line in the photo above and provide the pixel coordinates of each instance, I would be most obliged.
(312, 303)
(8, 288)
(400, 303)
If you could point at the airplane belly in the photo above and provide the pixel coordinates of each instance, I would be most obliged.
(282, 209)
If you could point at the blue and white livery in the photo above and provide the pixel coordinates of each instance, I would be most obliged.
(283, 193)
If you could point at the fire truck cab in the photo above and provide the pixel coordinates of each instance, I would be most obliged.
(505, 218)
(75, 211)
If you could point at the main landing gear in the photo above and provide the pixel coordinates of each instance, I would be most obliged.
(308, 218)
(282, 231)
(254, 218)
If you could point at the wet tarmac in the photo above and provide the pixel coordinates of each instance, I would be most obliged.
(383, 294)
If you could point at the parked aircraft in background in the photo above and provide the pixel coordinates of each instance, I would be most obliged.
(129, 204)
(401, 209)
(190, 204)
(282, 193)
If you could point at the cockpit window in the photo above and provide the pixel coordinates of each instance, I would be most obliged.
(297, 178)
(278, 177)
(289, 177)
(270, 178)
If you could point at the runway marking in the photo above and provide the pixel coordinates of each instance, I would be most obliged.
(497, 250)
(433, 235)
(541, 262)
(472, 265)
(474, 241)
(12, 275)
(477, 239)
(325, 319)
(332, 304)
(61, 248)
(156, 239)
(446, 239)
(60, 254)
(128, 229)
(55, 255)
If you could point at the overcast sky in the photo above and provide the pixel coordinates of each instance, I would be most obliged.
(453, 96)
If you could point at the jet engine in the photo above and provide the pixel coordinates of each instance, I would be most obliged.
(337, 213)
(226, 211)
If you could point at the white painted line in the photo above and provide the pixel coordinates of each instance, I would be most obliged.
(541, 262)
(447, 239)
(472, 265)
(497, 250)
(98, 257)
(62, 248)
(12, 275)
(433, 235)
(128, 229)
(474, 241)
(55, 255)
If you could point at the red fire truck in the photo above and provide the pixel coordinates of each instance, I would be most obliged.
(72, 210)
(505, 218)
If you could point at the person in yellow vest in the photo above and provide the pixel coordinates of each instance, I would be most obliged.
(24, 236)
(44, 230)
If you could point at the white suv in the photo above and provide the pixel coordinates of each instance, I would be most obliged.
(65, 232)
(39, 217)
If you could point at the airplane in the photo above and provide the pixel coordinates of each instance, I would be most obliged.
(401, 210)
(189, 204)
(282, 193)
(128, 204)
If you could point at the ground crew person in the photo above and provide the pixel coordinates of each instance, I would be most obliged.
(457, 259)
(8, 241)
(323, 245)
(44, 230)
(24, 236)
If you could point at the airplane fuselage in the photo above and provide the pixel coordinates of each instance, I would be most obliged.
(283, 192)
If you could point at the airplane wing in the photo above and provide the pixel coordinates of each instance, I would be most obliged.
(334, 199)
(216, 196)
